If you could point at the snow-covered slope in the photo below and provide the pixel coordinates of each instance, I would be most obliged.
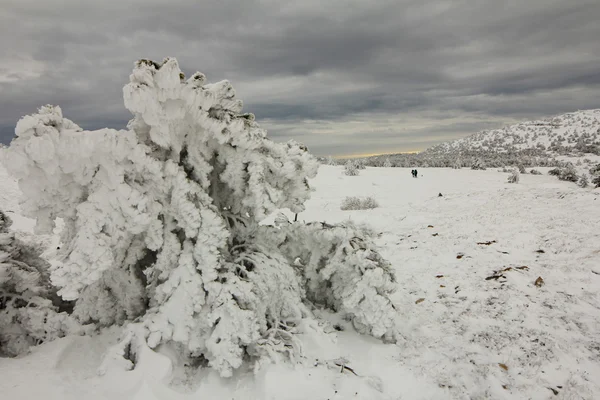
(576, 132)
(474, 322)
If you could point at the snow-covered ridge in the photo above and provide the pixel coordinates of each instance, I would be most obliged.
(572, 133)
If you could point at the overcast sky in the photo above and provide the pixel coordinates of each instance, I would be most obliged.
(343, 77)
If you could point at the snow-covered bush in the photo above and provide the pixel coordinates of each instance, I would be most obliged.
(30, 310)
(358, 203)
(162, 224)
(457, 164)
(554, 172)
(521, 168)
(478, 164)
(565, 173)
(568, 173)
(387, 163)
(342, 271)
(583, 181)
(360, 163)
(535, 172)
(595, 173)
(350, 168)
(331, 161)
(514, 176)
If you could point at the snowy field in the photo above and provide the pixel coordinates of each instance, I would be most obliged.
(475, 324)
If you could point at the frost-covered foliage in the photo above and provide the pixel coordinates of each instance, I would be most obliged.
(162, 224)
(583, 181)
(535, 172)
(514, 176)
(29, 307)
(457, 164)
(331, 161)
(358, 203)
(350, 168)
(478, 164)
(521, 168)
(387, 163)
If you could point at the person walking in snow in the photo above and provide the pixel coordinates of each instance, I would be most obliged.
(416, 173)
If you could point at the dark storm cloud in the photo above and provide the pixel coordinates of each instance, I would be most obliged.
(344, 77)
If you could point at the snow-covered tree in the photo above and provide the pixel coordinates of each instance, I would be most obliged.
(478, 164)
(514, 176)
(387, 163)
(350, 168)
(30, 310)
(457, 164)
(331, 161)
(162, 224)
(360, 163)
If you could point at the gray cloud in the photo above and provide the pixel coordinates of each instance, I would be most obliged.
(345, 77)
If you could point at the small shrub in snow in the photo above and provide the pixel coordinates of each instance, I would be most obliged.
(514, 176)
(357, 203)
(554, 172)
(29, 307)
(331, 161)
(360, 163)
(583, 181)
(162, 225)
(595, 173)
(350, 168)
(521, 169)
(535, 172)
(568, 173)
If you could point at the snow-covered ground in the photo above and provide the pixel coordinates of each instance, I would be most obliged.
(475, 324)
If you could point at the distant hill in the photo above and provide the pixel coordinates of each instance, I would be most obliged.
(568, 134)
(532, 143)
